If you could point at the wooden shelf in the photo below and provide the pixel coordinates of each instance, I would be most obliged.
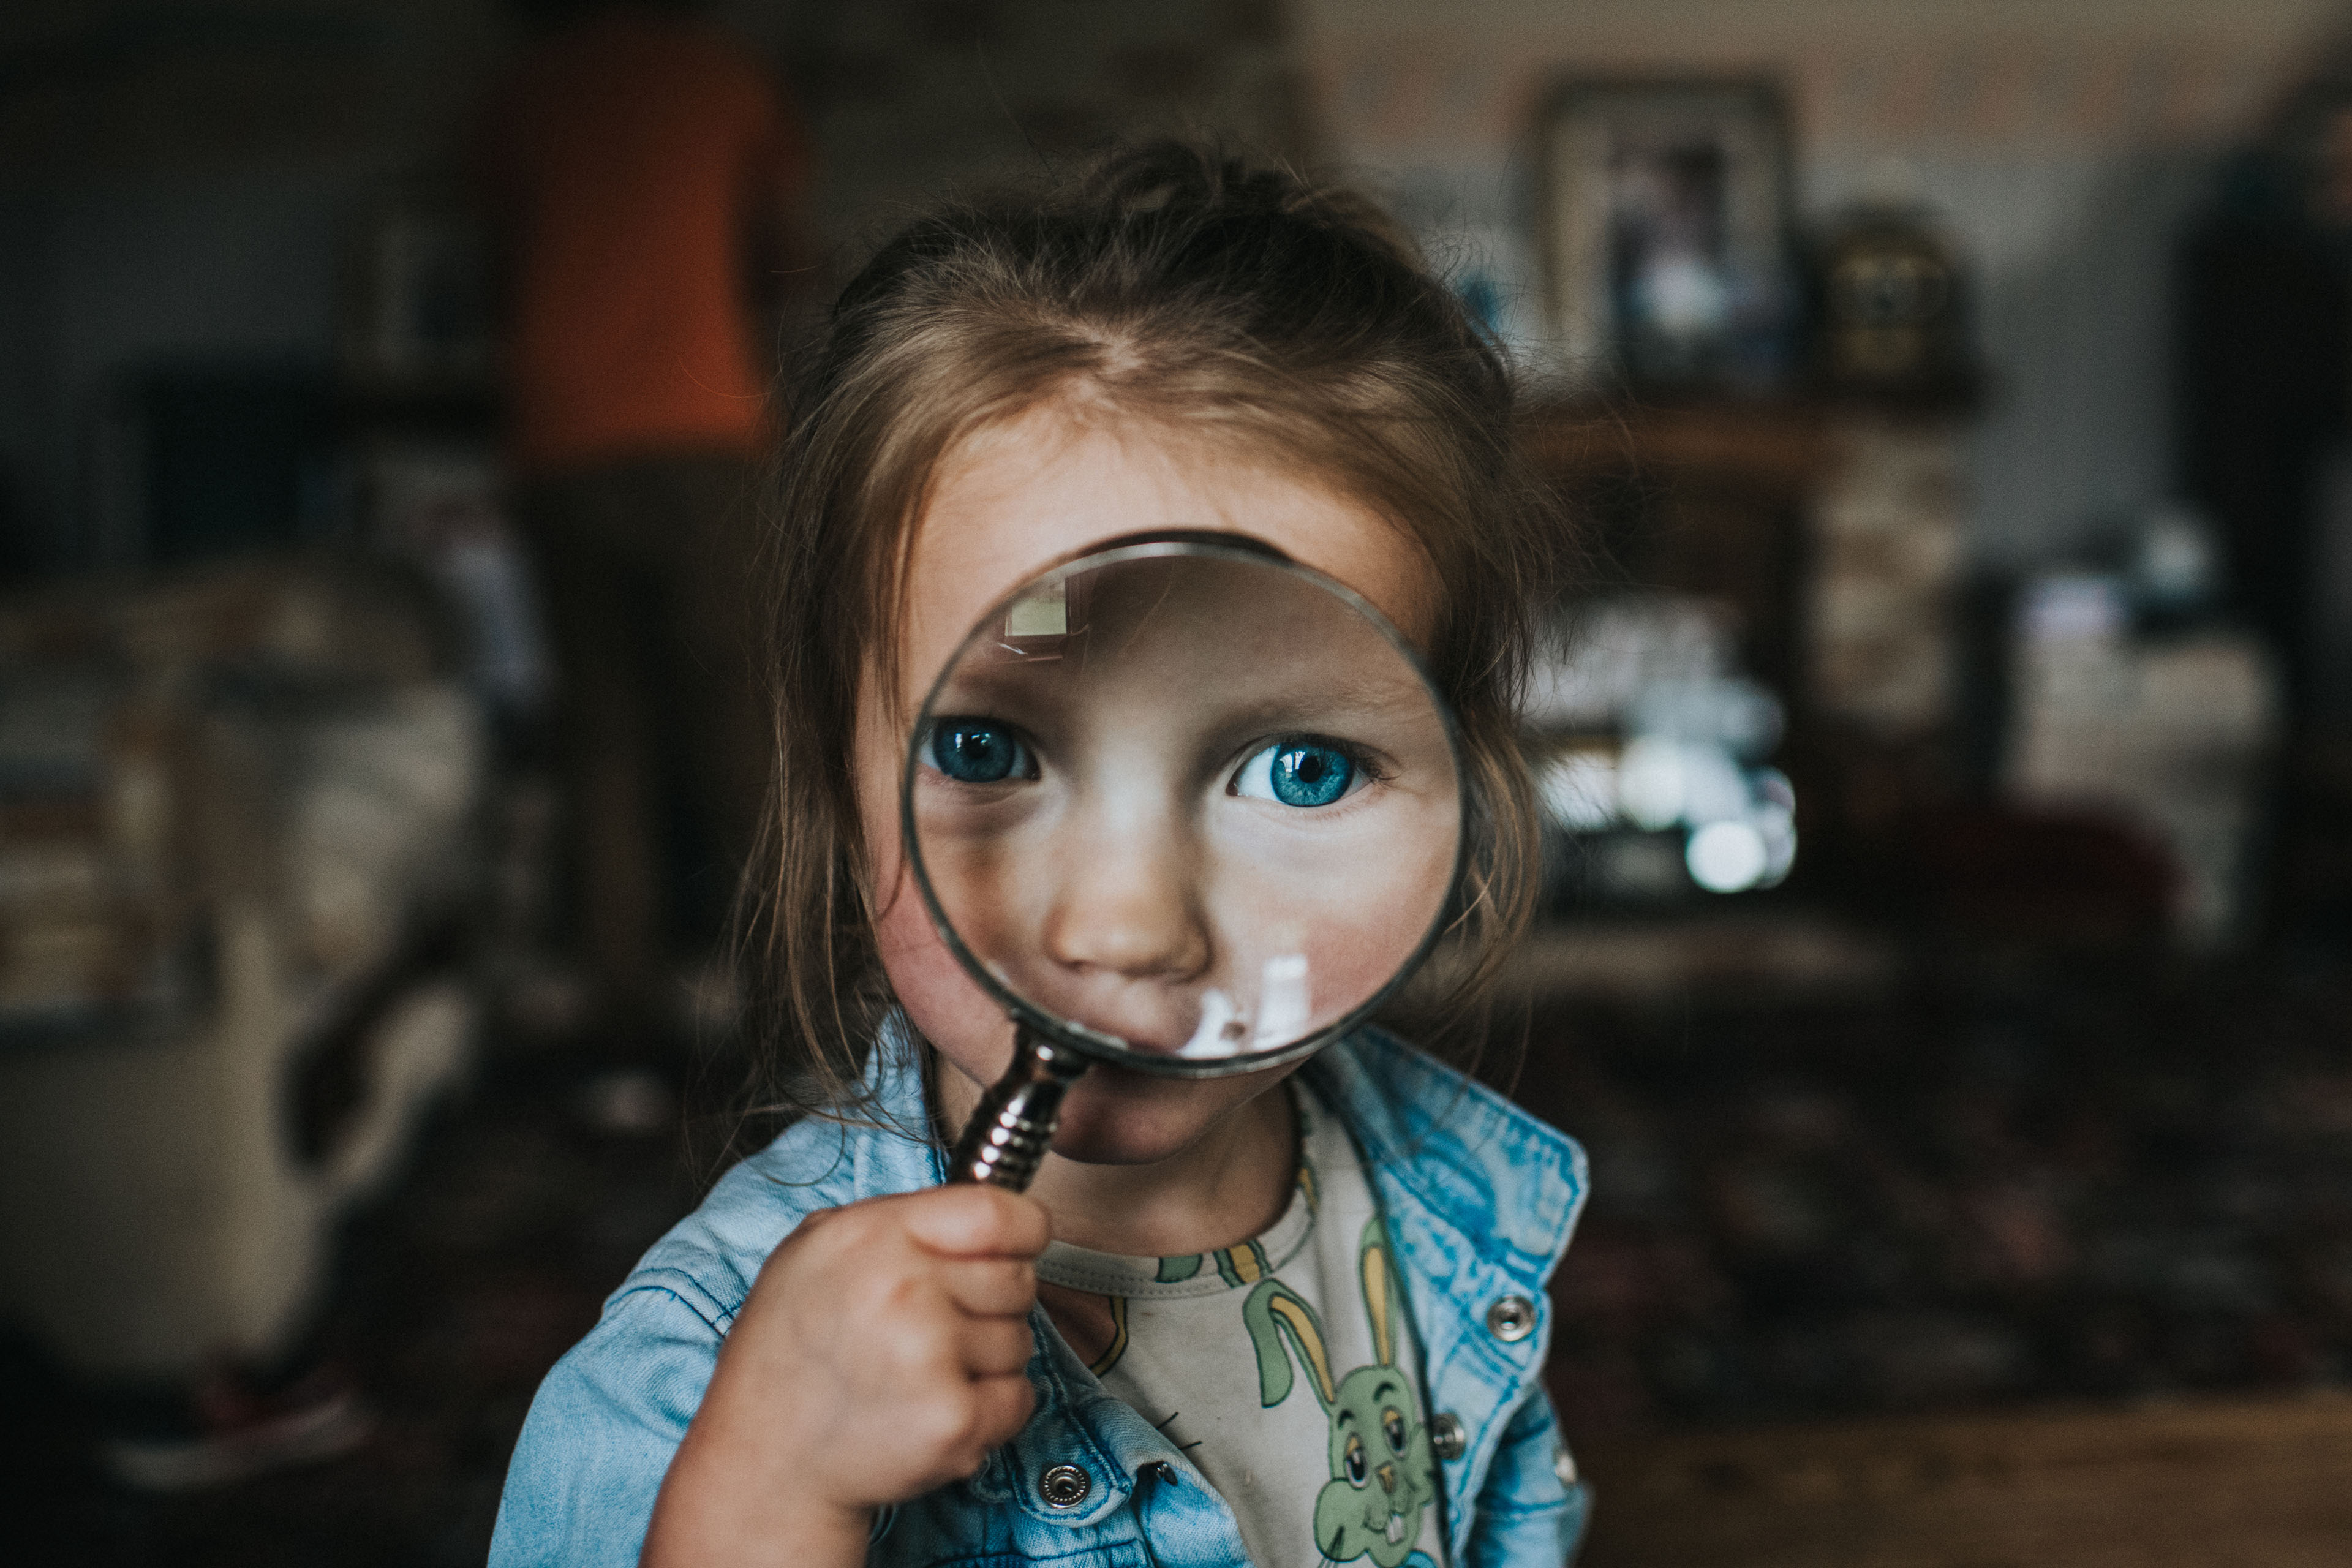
(1776, 448)
(2239, 1483)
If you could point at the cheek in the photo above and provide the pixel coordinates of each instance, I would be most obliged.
(945, 1003)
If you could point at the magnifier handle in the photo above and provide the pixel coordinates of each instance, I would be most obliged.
(1009, 1133)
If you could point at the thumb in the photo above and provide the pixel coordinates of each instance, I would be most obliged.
(978, 1221)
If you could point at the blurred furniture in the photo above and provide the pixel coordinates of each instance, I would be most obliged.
(2202, 1484)
(2173, 736)
(1704, 499)
(1881, 578)
(1831, 532)
(1826, 532)
(231, 810)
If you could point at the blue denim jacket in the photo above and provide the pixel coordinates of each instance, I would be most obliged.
(1480, 1200)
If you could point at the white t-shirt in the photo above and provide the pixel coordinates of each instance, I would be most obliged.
(1284, 1367)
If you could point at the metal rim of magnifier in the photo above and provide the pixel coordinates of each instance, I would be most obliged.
(1105, 1047)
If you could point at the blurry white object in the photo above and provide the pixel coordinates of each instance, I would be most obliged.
(153, 1217)
(1730, 713)
(2175, 569)
(441, 506)
(490, 585)
(1599, 661)
(376, 794)
(1650, 784)
(1727, 856)
(1774, 817)
(1682, 294)
(2173, 734)
(2073, 610)
(254, 785)
(1221, 1030)
(1282, 1002)
(1656, 669)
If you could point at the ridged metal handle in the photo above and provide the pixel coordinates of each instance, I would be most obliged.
(1009, 1133)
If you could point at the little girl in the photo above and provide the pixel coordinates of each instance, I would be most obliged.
(1289, 1318)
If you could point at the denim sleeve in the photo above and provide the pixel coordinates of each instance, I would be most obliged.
(1531, 1510)
(580, 1490)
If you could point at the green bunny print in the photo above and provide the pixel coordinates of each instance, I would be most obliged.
(1383, 1475)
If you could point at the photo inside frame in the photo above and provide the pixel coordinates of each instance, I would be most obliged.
(1664, 209)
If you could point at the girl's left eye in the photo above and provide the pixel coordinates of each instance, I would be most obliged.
(979, 751)
(1300, 773)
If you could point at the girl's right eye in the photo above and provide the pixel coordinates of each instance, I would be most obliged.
(1301, 772)
(979, 751)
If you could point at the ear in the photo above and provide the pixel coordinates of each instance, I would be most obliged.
(1272, 1310)
(1381, 1304)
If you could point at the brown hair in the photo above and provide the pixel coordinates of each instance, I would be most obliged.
(1237, 303)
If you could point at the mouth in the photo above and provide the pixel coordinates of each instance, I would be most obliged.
(1396, 1529)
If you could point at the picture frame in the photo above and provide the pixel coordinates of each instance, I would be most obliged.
(1664, 211)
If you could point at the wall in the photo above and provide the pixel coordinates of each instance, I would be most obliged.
(906, 96)
(2064, 146)
(174, 178)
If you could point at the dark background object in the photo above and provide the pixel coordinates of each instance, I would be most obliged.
(2265, 365)
(1891, 311)
(235, 460)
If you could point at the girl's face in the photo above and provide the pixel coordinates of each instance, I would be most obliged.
(1004, 506)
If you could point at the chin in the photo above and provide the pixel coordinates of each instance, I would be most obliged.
(1118, 1118)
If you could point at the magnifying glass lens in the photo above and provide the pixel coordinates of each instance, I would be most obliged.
(1185, 807)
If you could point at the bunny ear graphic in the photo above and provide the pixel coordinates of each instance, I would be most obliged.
(1380, 1296)
(1272, 1311)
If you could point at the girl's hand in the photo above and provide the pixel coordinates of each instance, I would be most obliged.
(882, 1352)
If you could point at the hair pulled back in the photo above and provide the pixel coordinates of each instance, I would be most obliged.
(1232, 303)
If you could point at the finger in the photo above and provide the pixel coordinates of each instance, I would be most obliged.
(996, 1347)
(990, 1287)
(977, 1221)
(1001, 1406)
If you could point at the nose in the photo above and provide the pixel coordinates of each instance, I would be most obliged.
(1127, 903)
(1388, 1477)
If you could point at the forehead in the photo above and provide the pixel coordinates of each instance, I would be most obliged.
(1013, 499)
(1196, 646)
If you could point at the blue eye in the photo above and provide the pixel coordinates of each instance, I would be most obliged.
(1296, 773)
(978, 750)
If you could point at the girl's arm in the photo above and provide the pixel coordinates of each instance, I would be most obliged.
(1531, 1508)
(882, 1352)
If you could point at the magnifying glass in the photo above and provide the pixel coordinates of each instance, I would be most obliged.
(1181, 806)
